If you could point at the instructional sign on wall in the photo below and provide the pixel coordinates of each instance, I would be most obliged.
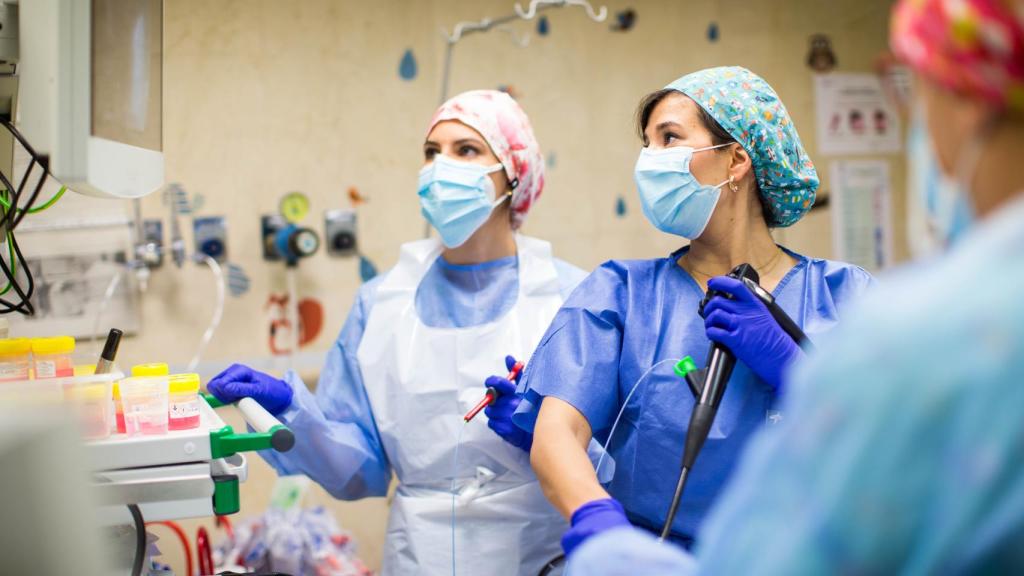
(861, 203)
(855, 116)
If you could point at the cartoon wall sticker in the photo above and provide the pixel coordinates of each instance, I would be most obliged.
(311, 323)
(821, 58)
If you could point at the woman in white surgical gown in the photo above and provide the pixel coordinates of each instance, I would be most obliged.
(415, 350)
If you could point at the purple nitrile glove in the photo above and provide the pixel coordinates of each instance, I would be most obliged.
(240, 381)
(499, 413)
(592, 518)
(745, 325)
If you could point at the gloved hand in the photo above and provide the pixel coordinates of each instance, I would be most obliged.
(499, 413)
(240, 381)
(745, 325)
(592, 518)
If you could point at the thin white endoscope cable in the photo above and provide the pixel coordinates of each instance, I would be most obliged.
(611, 434)
(455, 471)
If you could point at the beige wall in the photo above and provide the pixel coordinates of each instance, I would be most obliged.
(263, 97)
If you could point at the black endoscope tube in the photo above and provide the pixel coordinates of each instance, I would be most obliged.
(721, 362)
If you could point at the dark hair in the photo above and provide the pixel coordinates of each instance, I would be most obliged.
(643, 115)
(719, 135)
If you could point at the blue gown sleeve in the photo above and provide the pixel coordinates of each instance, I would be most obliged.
(902, 458)
(577, 359)
(336, 439)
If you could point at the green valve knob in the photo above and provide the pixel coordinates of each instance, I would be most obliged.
(684, 367)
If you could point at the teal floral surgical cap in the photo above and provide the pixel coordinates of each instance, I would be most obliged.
(750, 110)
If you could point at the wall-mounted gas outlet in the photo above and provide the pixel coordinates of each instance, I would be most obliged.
(340, 233)
(270, 224)
(211, 237)
(151, 249)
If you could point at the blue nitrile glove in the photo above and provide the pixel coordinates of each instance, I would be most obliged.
(499, 413)
(745, 325)
(592, 518)
(240, 381)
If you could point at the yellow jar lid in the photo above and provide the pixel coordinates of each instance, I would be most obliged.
(55, 345)
(155, 369)
(184, 384)
(15, 346)
(85, 369)
(94, 392)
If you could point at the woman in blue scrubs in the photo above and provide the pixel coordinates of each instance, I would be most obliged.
(722, 164)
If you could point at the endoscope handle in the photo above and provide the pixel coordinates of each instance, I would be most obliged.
(781, 318)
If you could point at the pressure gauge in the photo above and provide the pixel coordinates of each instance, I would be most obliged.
(304, 242)
(294, 207)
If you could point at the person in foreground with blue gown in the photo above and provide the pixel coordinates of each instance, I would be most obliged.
(721, 165)
(414, 350)
(901, 451)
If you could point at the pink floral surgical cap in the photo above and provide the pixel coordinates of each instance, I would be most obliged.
(505, 127)
(974, 47)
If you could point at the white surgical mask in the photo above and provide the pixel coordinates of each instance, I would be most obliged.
(457, 197)
(939, 208)
(671, 197)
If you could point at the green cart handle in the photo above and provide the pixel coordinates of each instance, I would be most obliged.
(268, 433)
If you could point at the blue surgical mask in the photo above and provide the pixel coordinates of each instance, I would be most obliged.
(671, 197)
(939, 210)
(457, 197)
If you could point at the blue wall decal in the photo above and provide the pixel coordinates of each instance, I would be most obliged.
(713, 32)
(367, 270)
(620, 207)
(407, 67)
(542, 26)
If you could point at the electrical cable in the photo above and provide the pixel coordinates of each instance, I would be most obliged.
(19, 214)
(24, 306)
(45, 206)
(140, 540)
(53, 200)
(13, 212)
(218, 311)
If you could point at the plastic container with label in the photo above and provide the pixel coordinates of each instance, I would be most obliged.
(144, 400)
(118, 409)
(15, 359)
(51, 357)
(184, 402)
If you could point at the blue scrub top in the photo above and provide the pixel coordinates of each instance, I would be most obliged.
(630, 314)
(340, 447)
